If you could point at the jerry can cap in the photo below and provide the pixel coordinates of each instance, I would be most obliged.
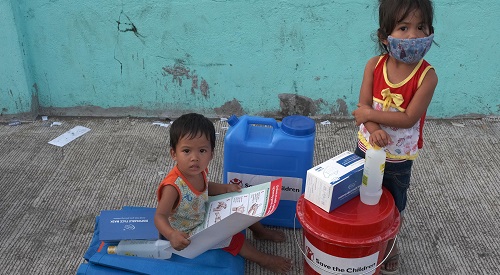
(232, 120)
(297, 125)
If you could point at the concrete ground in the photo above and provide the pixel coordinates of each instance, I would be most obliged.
(49, 196)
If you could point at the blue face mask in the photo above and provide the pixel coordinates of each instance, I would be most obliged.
(409, 51)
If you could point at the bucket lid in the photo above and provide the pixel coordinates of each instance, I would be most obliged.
(298, 125)
(352, 223)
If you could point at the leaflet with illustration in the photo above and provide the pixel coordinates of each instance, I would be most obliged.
(230, 213)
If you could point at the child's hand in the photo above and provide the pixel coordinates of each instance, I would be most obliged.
(380, 138)
(215, 189)
(361, 114)
(233, 188)
(178, 240)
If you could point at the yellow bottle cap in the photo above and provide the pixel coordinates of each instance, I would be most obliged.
(112, 249)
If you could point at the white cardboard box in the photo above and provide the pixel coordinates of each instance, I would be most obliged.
(335, 181)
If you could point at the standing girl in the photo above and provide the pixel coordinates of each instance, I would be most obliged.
(396, 90)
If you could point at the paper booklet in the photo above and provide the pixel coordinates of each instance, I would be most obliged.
(230, 213)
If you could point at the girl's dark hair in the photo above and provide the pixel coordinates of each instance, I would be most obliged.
(391, 12)
(192, 125)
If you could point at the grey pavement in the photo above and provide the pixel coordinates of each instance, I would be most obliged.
(50, 196)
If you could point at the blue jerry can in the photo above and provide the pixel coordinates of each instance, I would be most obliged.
(258, 150)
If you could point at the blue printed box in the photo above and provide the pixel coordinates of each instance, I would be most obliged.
(135, 223)
(335, 181)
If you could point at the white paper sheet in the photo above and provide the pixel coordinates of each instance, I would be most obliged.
(69, 136)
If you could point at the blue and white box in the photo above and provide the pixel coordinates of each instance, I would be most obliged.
(127, 224)
(335, 181)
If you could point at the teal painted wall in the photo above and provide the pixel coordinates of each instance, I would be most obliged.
(15, 95)
(164, 58)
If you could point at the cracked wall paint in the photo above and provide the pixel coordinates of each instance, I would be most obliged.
(232, 107)
(124, 24)
(291, 104)
(204, 88)
(179, 72)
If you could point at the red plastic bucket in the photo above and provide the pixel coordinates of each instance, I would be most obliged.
(351, 239)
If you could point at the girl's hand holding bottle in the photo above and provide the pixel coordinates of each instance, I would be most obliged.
(379, 138)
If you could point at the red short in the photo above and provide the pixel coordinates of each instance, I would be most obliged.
(236, 244)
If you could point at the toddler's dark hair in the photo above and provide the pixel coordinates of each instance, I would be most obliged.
(192, 125)
(391, 12)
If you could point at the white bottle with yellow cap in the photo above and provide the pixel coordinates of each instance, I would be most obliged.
(373, 174)
(159, 249)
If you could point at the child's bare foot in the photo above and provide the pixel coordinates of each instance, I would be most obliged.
(391, 265)
(267, 234)
(276, 264)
